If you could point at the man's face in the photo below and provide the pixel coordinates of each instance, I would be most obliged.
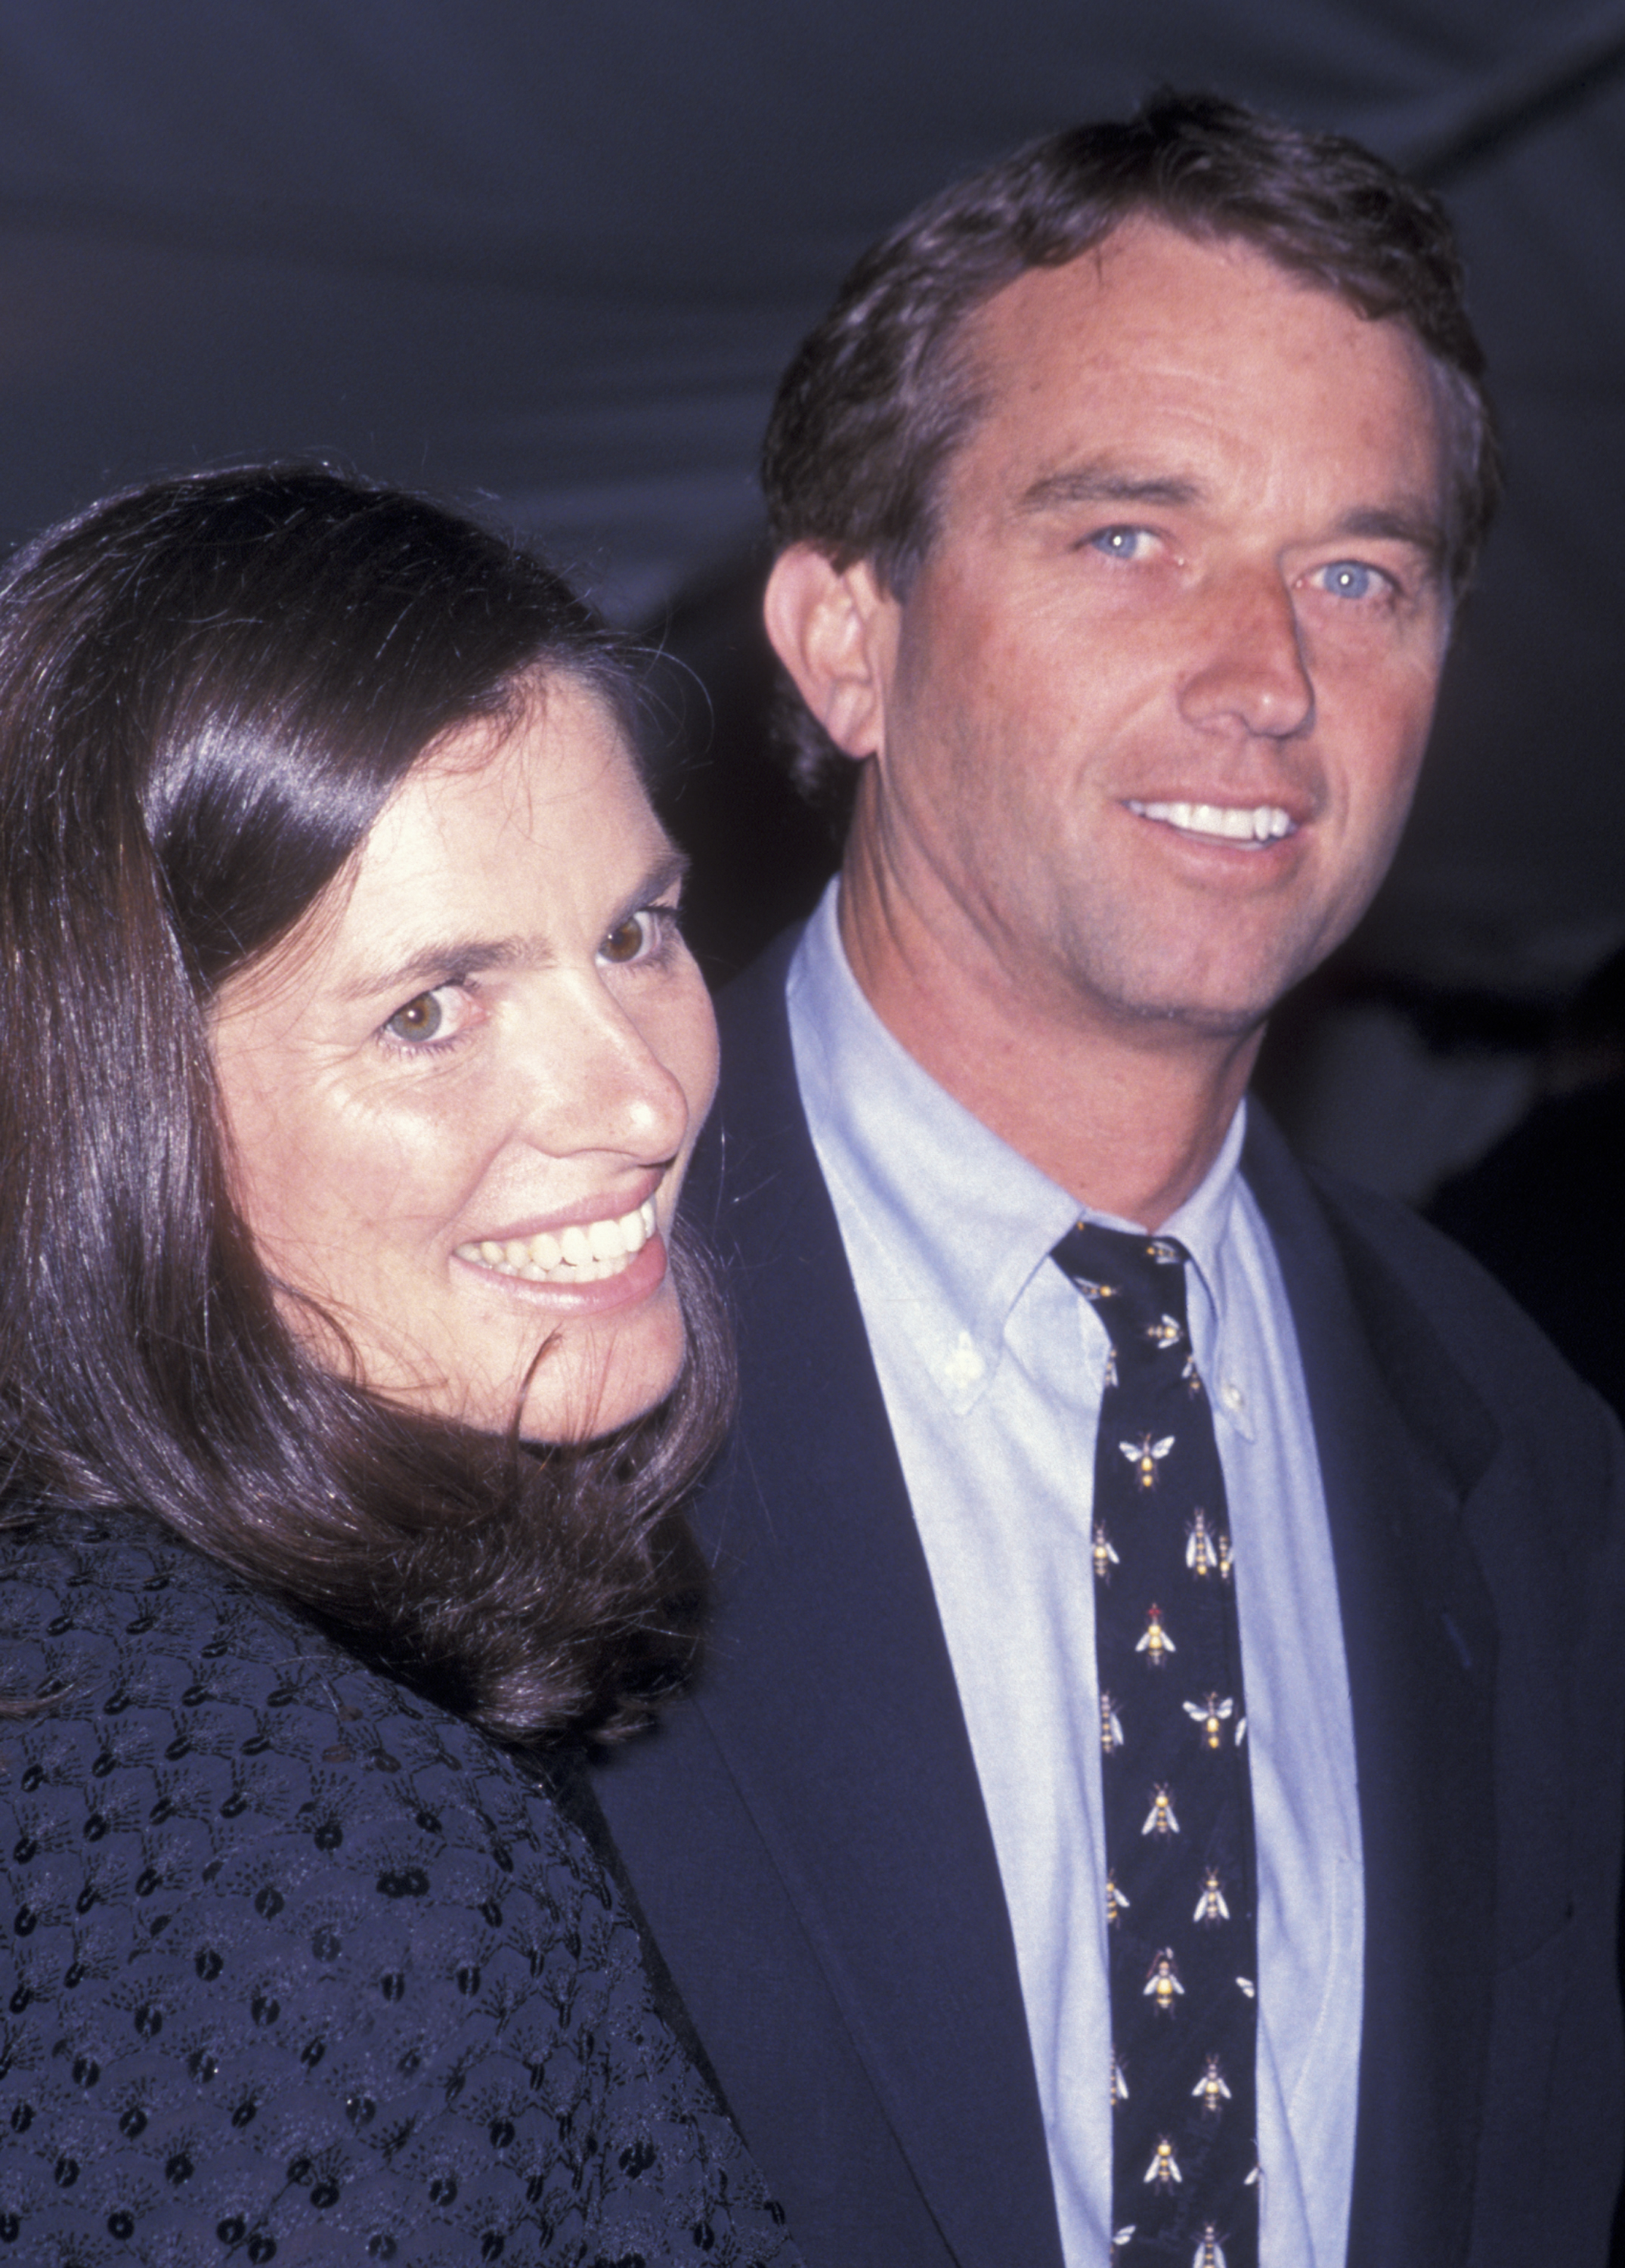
(1153, 710)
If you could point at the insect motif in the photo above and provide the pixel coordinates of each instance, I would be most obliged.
(1110, 1375)
(1191, 1375)
(1201, 1549)
(1163, 2169)
(1146, 1455)
(1224, 1562)
(1154, 1641)
(1094, 1291)
(1207, 2254)
(1105, 1554)
(1165, 1332)
(1162, 1982)
(1248, 1987)
(1116, 1903)
(1159, 1820)
(1210, 1715)
(1210, 1906)
(1111, 1727)
(1120, 2085)
(1165, 1254)
(1212, 2089)
(1120, 2237)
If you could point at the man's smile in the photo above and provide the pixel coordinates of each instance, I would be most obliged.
(1250, 825)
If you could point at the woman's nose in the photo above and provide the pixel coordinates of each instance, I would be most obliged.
(601, 1078)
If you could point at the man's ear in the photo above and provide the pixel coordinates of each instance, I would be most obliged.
(836, 630)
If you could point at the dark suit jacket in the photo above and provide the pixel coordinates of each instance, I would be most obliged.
(806, 1834)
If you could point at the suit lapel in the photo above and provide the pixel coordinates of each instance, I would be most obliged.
(846, 1740)
(1402, 1439)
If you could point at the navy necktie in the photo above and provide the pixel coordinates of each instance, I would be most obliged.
(1181, 1881)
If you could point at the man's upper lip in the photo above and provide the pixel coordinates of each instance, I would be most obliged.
(607, 1204)
(1298, 807)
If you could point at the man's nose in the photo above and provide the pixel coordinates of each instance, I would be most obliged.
(597, 1081)
(1251, 669)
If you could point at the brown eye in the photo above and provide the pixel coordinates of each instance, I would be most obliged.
(627, 939)
(419, 1019)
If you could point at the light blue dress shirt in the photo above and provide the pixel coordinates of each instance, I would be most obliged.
(992, 1367)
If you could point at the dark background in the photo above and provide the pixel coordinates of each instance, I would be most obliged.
(549, 258)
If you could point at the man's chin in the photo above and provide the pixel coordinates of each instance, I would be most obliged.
(1188, 1017)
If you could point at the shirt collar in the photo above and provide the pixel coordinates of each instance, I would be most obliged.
(957, 1223)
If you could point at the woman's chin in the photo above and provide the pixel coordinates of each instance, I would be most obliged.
(600, 1374)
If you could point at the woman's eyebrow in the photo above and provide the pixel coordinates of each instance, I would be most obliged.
(433, 961)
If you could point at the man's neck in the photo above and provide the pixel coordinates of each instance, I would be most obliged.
(1128, 1115)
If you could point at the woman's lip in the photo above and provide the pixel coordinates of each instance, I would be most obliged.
(632, 1279)
(603, 1204)
(600, 1245)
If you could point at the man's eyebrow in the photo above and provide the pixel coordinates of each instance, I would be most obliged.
(1101, 483)
(1409, 521)
(435, 961)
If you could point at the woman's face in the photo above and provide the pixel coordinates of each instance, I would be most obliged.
(461, 1098)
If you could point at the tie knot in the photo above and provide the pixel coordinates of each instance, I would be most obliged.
(1135, 1284)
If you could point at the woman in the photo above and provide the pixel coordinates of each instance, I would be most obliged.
(350, 1372)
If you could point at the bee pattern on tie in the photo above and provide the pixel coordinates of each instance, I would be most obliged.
(1177, 1868)
(1163, 1985)
(1146, 1455)
(1164, 2167)
(1159, 1820)
(1211, 1715)
(1207, 2254)
(1201, 1550)
(1210, 1906)
(1105, 1558)
(1211, 2090)
(1120, 2085)
(1156, 1644)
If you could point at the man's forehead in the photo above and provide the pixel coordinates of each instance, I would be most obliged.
(1096, 369)
(1147, 267)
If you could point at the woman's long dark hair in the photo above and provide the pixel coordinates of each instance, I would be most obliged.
(208, 687)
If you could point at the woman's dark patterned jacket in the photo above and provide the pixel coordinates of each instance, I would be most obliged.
(297, 1966)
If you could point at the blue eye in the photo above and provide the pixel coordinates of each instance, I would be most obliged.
(1119, 542)
(1347, 578)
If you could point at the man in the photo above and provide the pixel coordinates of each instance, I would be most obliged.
(1122, 503)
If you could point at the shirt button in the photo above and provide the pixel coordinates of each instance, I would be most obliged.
(1231, 1395)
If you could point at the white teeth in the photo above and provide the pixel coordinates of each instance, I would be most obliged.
(1264, 822)
(583, 1253)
